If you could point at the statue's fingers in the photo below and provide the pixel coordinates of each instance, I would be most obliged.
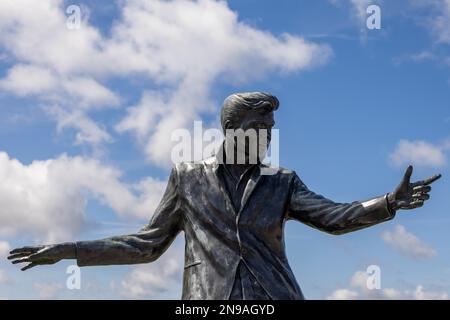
(21, 260)
(28, 258)
(25, 249)
(413, 204)
(422, 189)
(432, 179)
(29, 266)
(402, 204)
(18, 255)
(416, 204)
(427, 181)
(421, 196)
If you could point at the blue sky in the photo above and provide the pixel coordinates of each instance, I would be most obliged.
(86, 116)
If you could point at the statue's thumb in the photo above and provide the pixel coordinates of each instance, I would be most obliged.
(408, 173)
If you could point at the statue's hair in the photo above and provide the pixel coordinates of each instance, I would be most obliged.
(238, 103)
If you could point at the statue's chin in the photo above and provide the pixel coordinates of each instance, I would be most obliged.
(254, 159)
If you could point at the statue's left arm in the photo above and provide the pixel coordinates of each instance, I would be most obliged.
(337, 218)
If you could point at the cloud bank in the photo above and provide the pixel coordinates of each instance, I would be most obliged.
(47, 199)
(180, 47)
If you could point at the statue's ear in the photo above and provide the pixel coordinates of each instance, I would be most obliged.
(228, 125)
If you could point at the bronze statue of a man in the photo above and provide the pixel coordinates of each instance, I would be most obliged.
(233, 218)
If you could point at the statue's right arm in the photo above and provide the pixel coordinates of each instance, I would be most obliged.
(140, 247)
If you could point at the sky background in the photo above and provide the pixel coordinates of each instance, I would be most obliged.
(86, 116)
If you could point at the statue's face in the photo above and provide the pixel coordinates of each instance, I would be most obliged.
(256, 121)
(258, 125)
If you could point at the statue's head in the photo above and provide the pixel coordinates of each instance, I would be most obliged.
(249, 115)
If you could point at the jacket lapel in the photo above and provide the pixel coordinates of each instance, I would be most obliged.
(218, 180)
(250, 187)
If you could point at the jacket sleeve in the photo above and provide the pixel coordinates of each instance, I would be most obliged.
(335, 218)
(141, 247)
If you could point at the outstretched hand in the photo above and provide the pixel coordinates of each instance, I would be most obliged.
(41, 255)
(409, 195)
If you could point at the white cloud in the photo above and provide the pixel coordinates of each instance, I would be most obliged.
(66, 98)
(89, 92)
(407, 243)
(420, 153)
(343, 294)
(359, 280)
(4, 249)
(88, 130)
(144, 116)
(28, 79)
(182, 46)
(360, 7)
(190, 60)
(48, 291)
(424, 55)
(437, 18)
(47, 199)
(441, 23)
(54, 64)
(433, 16)
(3, 277)
(159, 279)
(358, 291)
(420, 294)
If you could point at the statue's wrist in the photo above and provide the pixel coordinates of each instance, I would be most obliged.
(392, 203)
(69, 250)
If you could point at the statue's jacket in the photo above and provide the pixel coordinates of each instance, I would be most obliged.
(218, 237)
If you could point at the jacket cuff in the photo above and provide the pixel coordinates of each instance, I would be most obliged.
(378, 209)
(84, 251)
(392, 211)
